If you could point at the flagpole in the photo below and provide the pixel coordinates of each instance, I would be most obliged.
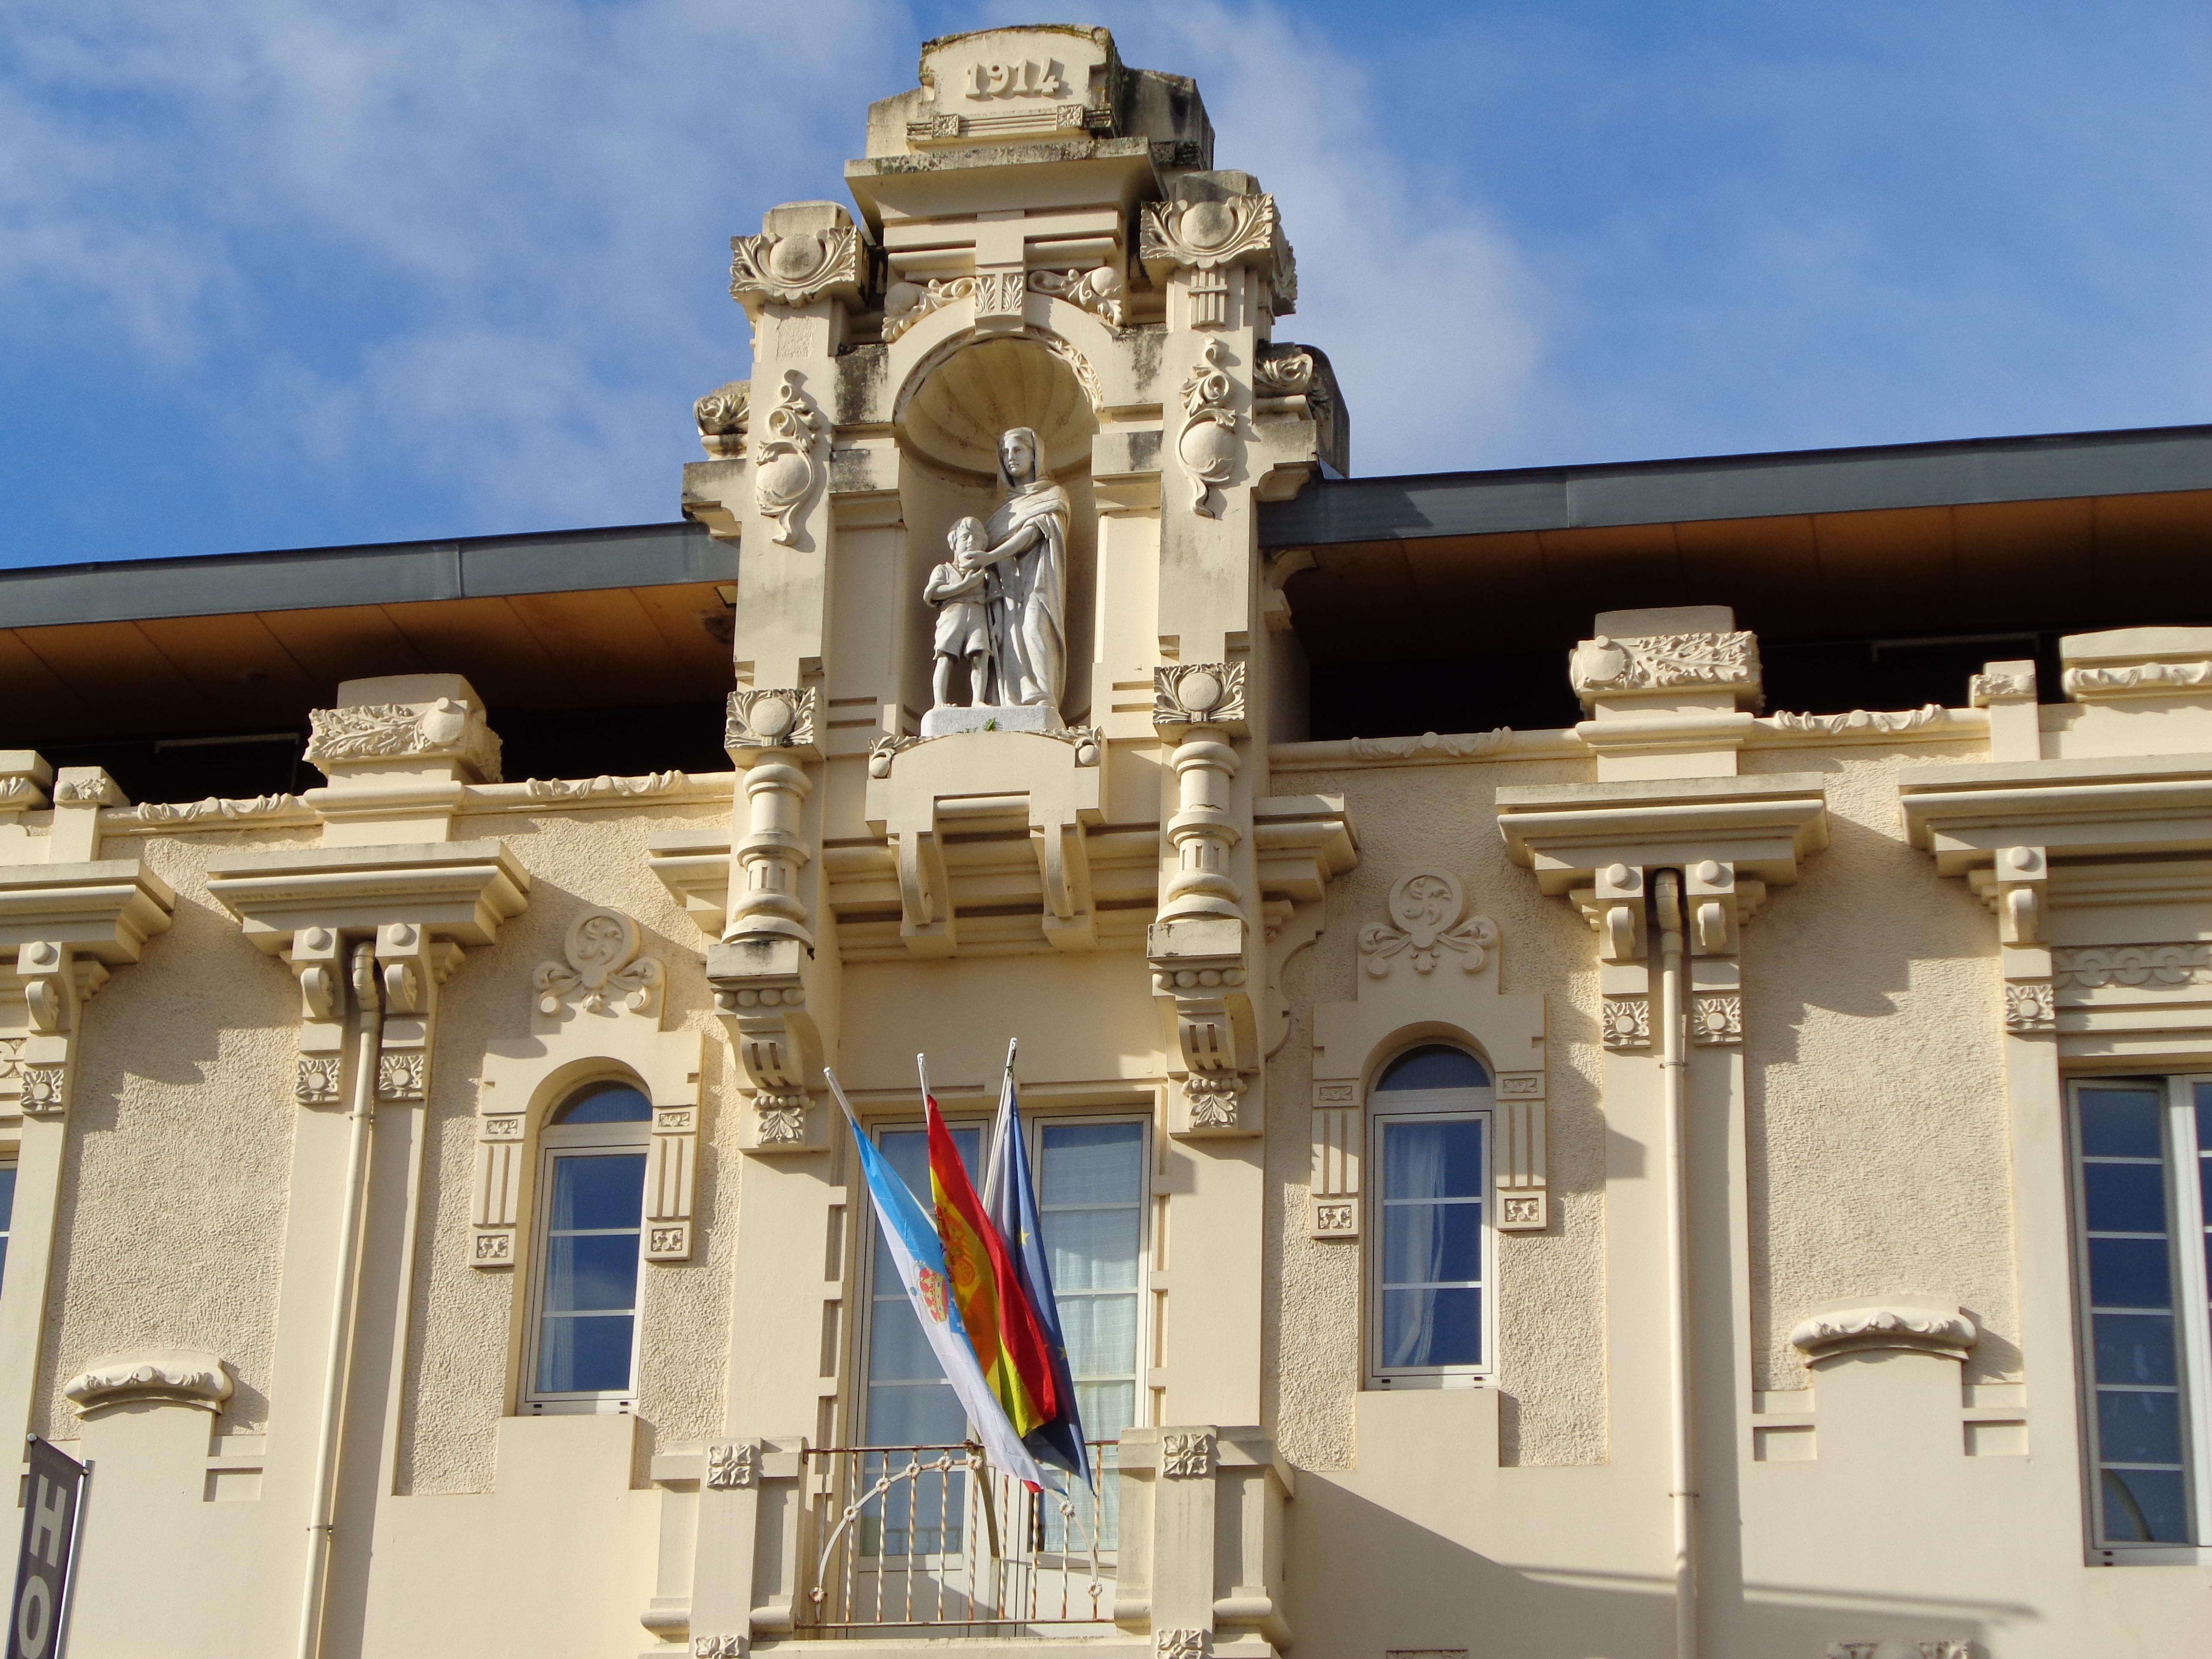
(998, 1126)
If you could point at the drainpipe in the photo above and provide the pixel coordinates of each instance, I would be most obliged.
(368, 1040)
(1673, 1074)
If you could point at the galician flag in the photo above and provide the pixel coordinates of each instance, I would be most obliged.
(1010, 1196)
(921, 1259)
(994, 1308)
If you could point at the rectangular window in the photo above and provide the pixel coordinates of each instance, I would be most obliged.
(594, 1200)
(2143, 1169)
(1430, 1261)
(7, 1214)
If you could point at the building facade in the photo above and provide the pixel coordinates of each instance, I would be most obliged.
(1634, 1174)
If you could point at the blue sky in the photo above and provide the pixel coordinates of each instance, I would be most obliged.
(294, 272)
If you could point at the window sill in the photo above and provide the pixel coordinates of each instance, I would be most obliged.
(2151, 1555)
(578, 1409)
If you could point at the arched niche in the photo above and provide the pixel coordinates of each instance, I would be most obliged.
(948, 414)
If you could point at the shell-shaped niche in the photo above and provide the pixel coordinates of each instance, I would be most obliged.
(959, 406)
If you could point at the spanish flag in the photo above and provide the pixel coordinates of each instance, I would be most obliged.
(986, 1287)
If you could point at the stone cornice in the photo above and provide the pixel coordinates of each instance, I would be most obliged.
(106, 909)
(1764, 826)
(460, 892)
(1966, 814)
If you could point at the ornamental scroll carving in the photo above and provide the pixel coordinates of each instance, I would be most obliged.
(1942, 1648)
(1206, 238)
(1459, 746)
(2150, 966)
(794, 269)
(1198, 694)
(724, 415)
(603, 967)
(1983, 689)
(1428, 921)
(1904, 1327)
(1208, 442)
(445, 729)
(1097, 291)
(1860, 720)
(2142, 679)
(788, 468)
(778, 717)
(1662, 662)
(181, 1377)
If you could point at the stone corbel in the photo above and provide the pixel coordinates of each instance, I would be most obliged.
(761, 993)
(64, 928)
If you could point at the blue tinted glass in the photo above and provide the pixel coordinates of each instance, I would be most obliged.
(2120, 1122)
(590, 1273)
(1423, 1244)
(2135, 1347)
(1432, 1160)
(2203, 1091)
(7, 1196)
(2128, 1273)
(1092, 1163)
(586, 1353)
(897, 1350)
(906, 1151)
(2125, 1198)
(916, 1416)
(4, 1256)
(1432, 1327)
(606, 1103)
(2138, 1428)
(2145, 1506)
(600, 1190)
(1435, 1067)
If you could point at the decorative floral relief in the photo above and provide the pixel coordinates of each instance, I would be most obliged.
(2031, 1006)
(1288, 371)
(43, 1087)
(795, 270)
(781, 1125)
(1947, 1331)
(732, 1464)
(1335, 1217)
(1463, 746)
(650, 783)
(603, 966)
(2155, 966)
(2136, 679)
(906, 304)
(1661, 662)
(399, 1075)
(1206, 235)
(494, 1247)
(724, 415)
(11, 1060)
(1859, 719)
(1428, 916)
(1181, 1644)
(1983, 689)
(717, 1647)
(1186, 1457)
(774, 718)
(1212, 1096)
(1717, 1019)
(786, 464)
(180, 1379)
(1627, 1022)
(17, 793)
(96, 790)
(1208, 442)
(215, 807)
(383, 730)
(1942, 1648)
(1198, 693)
(1520, 1212)
(318, 1081)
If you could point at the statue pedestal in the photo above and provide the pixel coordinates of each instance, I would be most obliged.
(1035, 717)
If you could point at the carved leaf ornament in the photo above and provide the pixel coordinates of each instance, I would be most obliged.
(603, 966)
(1428, 918)
(1208, 442)
(786, 468)
(402, 731)
(795, 270)
(1664, 661)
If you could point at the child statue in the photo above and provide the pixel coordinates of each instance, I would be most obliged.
(960, 589)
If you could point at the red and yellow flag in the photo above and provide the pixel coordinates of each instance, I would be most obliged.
(1002, 1327)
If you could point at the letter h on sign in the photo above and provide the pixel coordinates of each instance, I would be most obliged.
(53, 1505)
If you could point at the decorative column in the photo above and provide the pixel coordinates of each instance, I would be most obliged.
(1198, 948)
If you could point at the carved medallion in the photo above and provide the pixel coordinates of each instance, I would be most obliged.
(1428, 918)
(604, 966)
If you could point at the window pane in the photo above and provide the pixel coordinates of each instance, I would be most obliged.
(7, 1196)
(581, 1353)
(1092, 1249)
(606, 1103)
(1423, 1244)
(1102, 1336)
(2135, 1348)
(1108, 1408)
(923, 1412)
(2120, 1123)
(1091, 1163)
(1434, 1066)
(2138, 1428)
(2128, 1273)
(898, 1350)
(599, 1191)
(915, 1415)
(2145, 1506)
(1432, 1327)
(590, 1273)
(1432, 1160)
(2125, 1198)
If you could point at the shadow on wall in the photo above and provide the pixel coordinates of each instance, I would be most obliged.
(1369, 1582)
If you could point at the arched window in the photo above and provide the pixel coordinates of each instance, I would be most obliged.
(591, 1205)
(1429, 1318)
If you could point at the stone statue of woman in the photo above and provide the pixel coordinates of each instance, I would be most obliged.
(1029, 543)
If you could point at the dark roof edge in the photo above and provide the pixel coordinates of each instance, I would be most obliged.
(385, 573)
(1769, 484)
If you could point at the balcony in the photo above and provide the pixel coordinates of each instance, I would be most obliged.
(1175, 1552)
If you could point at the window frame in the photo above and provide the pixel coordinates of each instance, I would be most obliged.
(2180, 1155)
(1473, 1103)
(554, 1142)
(1033, 1125)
